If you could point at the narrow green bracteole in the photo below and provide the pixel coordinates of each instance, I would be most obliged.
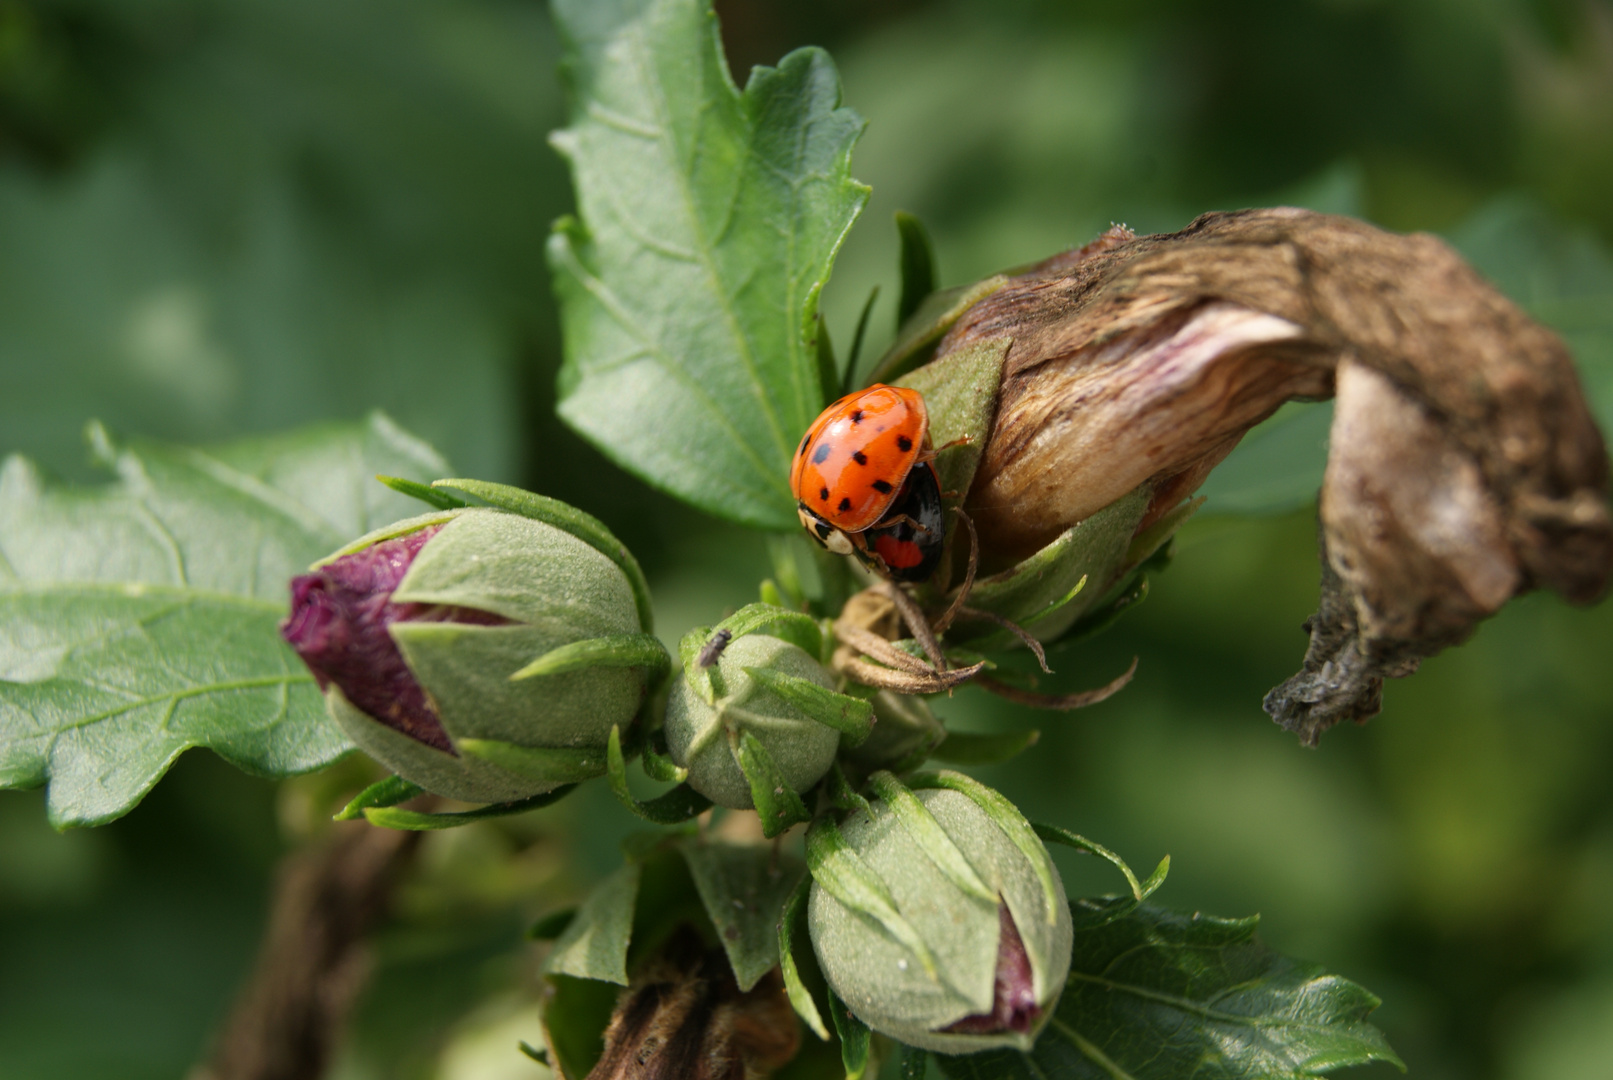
(1140, 890)
(657, 765)
(842, 796)
(844, 876)
(390, 817)
(794, 988)
(915, 1063)
(563, 765)
(920, 332)
(388, 792)
(971, 748)
(851, 716)
(777, 804)
(796, 627)
(927, 833)
(917, 262)
(854, 1038)
(440, 500)
(676, 806)
(613, 650)
(585, 527)
(1007, 818)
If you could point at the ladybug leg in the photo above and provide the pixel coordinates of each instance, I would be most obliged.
(929, 453)
(897, 519)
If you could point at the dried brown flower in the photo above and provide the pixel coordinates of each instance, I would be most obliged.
(1465, 466)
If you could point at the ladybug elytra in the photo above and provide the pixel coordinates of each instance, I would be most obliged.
(865, 486)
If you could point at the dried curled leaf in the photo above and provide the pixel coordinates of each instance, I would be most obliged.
(1465, 465)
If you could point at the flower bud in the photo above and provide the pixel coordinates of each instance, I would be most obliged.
(938, 918)
(415, 631)
(704, 733)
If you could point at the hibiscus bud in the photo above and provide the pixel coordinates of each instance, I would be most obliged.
(765, 689)
(481, 654)
(1465, 466)
(937, 916)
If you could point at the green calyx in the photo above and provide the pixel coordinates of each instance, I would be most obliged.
(904, 912)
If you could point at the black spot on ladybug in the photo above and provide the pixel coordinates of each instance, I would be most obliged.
(845, 504)
(859, 457)
(856, 416)
(903, 443)
(821, 454)
(823, 494)
(882, 486)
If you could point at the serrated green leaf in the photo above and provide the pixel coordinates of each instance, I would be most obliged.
(744, 888)
(388, 792)
(777, 804)
(708, 221)
(594, 944)
(1156, 995)
(141, 618)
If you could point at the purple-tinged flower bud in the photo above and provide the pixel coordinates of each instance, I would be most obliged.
(482, 654)
(937, 916)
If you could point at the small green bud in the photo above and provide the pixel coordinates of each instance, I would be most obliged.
(481, 654)
(707, 718)
(936, 921)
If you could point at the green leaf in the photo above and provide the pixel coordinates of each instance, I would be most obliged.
(960, 394)
(1156, 995)
(777, 804)
(971, 748)
(594, 944)
(141, 618)
(388, 792)
(390, 817)
(552, 925)
(432, 497)
(915, 1063)
(545, 764)
(708, 221)
(584, 526)
(917, 264)
(854, 1038)
(744, 888)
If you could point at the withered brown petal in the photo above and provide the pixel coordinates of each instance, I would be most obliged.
(1465, 465)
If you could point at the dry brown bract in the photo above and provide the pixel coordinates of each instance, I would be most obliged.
(1464, 468)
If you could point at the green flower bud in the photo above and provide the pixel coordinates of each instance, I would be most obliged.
(938, 918)
(481, 654)
(758, 692)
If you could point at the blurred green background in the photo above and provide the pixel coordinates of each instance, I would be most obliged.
(231, 216)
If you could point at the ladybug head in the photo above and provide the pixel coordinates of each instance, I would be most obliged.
(824, 533)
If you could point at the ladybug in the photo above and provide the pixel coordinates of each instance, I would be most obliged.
(865, 486)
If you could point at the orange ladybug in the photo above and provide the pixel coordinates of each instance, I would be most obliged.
(865, 486)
